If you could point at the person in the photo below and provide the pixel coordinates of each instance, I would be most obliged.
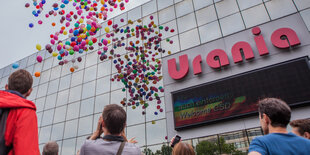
(112, 124)
(18, 119)
(301, 127)
(274, 116)
(50, 148)
(182, 148)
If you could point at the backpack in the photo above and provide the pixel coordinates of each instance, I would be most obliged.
(4, 150)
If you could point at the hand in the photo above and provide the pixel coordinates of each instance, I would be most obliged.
(98, 131)
(132, 140)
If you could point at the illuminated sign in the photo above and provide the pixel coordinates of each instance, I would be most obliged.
(281, 38)
(237, 95)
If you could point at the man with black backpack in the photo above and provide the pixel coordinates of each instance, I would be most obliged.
(112, 124)
(18, 119)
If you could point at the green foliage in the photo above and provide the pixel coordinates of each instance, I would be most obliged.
(165, 150)
(215, 148)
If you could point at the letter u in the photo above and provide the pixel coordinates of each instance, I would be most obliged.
(172, 67)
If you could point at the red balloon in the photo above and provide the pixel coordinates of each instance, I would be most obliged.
(110, 22)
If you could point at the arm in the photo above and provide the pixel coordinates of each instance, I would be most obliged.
(257, 148)
(26, 133)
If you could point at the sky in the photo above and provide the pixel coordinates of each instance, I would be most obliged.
(18, 40)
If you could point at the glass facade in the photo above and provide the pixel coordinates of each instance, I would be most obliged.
(69, 104)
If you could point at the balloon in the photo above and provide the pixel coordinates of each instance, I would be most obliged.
(71, 69)
(39, 58)
(31, 25)
(54, 54)
(37, 74)
(15, 65)
(107, 29)
(38, 46)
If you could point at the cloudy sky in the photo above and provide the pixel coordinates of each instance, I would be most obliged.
(18, 40)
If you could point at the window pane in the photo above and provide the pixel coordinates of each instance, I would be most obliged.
(117, 20)
(255, 16)
(29, 69)
(87, 107)
(48, 63)
(137, 131)
(166, 15)
(42, 90)
(31, 59)
(88, 89)
(85, 125)
(173, 48)
(116, 85)
(90, 73)
(277, 9)
(171, 25)
(117, 96)
(77, 78)
(33, 93)
(101, 101)
(38, 66)
(91, 59)
(302, 4)
(206, 15)
(186, 22)
(53, 86)
(70, 128)
(55, 72)
(40, 104)
(231, 20)
(149, 8)
(47, 117)
(134, 14)
(62, 98)
(103, 85)
(50, 101)
(45, 76)
(65, 82)
(39, 116)
(210, 32)
(68, 146)
(306, 17)
(73, 110)
(45, 133)
(60, 114)
(134, 116)
(189, 39)
(36, 81)
(244, 4)
(104, 68)
(152, 111)
(184, 8)
(226, 7)
(75, 94)
(57, 131)
(164, 3)
(202, 3)
(156, 132)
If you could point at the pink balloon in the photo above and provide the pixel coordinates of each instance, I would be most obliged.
(39, 58)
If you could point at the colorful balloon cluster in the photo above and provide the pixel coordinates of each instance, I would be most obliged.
(139, 70)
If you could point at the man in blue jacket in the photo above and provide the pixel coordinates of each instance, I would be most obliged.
(274, 116)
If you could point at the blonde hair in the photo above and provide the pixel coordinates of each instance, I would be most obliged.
(183, 149)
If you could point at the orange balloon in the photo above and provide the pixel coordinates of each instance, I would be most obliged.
(53, 24)
(71, 69)
(37, 74)
(63, 28)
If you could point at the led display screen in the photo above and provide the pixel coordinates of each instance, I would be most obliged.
(238, 95)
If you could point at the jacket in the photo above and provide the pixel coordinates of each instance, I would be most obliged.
(21, 129)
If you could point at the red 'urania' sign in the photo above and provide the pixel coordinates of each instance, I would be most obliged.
(280, 38)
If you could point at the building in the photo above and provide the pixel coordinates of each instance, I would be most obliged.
(69, 104)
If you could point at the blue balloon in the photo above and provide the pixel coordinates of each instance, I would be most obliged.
(31, 25)
(15, 65)
(75, 32)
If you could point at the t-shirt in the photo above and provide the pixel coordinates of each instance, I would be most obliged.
(103, 147)
(280, 144)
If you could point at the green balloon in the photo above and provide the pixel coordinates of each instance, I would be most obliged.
(71, 52)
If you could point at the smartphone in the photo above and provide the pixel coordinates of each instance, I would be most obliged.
(177, 139)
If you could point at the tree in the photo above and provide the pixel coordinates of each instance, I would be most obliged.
(165, 150)
(215, 148)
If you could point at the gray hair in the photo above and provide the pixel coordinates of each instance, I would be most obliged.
(50, 148)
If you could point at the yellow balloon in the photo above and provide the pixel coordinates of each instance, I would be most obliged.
(38, 47)
(54, 54)
(102, 2)
(82, 6)
(109, 41)
(65, 32)
(107, 29)
(81, 20)
(91, 9)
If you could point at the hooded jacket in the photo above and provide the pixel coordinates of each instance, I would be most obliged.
(21, 130)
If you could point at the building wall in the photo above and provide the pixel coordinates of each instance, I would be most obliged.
(69, 104)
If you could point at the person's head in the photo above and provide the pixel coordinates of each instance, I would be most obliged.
(20, 81)
(50, 148)
(183, 149)
(301, 127)
(114, 119)
(273, 112)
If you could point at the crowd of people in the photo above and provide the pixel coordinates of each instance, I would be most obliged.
(19, 132)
